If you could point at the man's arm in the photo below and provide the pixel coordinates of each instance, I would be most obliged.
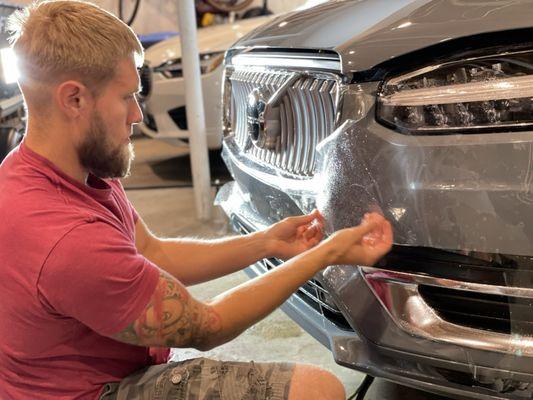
(194, 261)
(173, 318)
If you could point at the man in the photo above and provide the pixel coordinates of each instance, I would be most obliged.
(86, 288)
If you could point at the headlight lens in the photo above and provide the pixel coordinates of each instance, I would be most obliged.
(208, 62)
(474, 95)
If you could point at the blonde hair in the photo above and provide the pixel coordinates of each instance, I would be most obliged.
(69, 39)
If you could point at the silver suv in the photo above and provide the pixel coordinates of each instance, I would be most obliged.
(422, 110)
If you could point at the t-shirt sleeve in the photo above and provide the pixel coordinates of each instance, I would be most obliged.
(95, 275)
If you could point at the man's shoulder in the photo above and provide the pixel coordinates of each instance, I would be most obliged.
(24, 187)
(37, 203)
(18, 175)
(32, 205)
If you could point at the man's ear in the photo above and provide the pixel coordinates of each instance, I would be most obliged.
(73, 98)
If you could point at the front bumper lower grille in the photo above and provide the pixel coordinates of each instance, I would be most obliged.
(487, 312)
(314, 294)
(484, 311)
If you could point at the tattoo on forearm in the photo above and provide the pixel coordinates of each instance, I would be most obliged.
(172, 319)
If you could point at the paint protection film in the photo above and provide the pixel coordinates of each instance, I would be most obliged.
(458, 284)
(460, 276)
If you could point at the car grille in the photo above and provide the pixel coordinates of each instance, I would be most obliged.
(314, 294)
(490, 312)
(479, 310)
(145, 75)
(488, 268)
(307, 116)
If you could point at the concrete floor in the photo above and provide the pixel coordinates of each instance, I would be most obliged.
(170, 212)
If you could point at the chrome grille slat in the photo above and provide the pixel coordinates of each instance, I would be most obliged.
(310, 125)
(307, 109)
(276, 160)
(297, 122)
(287, 134)
(259, 80)
(244, 89)
(320, 117)
(303, 131)
(238, 93)
(328, 97)
(241, 114)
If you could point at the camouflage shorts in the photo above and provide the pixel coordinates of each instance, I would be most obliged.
(205, 379)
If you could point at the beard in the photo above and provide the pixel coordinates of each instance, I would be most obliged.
(100, 157)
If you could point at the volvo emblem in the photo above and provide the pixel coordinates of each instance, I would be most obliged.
(255, 114)
(262, 119)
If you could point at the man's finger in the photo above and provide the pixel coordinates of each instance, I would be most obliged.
(307, 218)
(318, 215)
(373, 216)
(300, 230)
(367, 226)
(369, 240)
(310, 232)
(316, 228)
(382, 239)
(313, 242)
(387, 235)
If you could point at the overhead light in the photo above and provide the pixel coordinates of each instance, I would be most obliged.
(10, 72)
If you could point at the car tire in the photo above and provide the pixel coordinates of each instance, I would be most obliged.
(9, 139)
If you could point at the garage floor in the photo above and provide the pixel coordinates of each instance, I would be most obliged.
(160, 190)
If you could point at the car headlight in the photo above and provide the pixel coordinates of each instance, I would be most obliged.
(469, 96)
(208, 62)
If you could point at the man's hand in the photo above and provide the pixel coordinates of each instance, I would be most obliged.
(364, 244)
(294, 235)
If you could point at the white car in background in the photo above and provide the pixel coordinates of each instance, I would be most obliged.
(163, 88)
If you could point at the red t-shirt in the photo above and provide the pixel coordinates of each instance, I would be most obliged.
(70, 276)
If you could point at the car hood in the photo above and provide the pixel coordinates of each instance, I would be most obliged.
(211, 39)
(367, 32)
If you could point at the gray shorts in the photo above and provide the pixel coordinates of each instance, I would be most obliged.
(204, 379)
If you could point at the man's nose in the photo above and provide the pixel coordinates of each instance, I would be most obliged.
(136, 115)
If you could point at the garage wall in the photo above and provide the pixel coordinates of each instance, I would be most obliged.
(162, 15)
(153, 15)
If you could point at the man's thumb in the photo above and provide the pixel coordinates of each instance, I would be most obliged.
(366, 227)
(304, 219)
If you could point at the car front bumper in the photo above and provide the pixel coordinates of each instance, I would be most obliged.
(390, 332)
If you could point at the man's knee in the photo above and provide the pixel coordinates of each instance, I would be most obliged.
(310, 382)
